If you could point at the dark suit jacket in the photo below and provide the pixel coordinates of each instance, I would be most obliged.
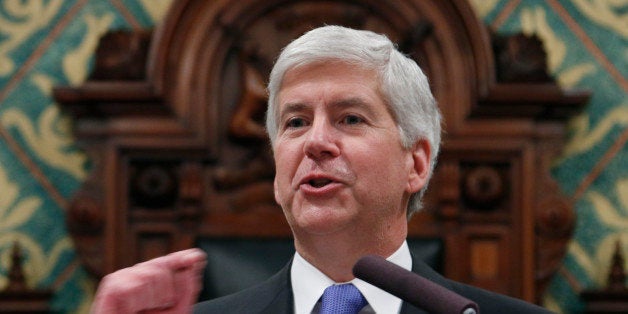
(274, 296)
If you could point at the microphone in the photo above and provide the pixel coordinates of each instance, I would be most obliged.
(411, 287)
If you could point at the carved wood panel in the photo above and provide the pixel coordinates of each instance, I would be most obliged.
(172, 122)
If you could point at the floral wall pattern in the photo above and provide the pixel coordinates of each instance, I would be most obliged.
(44, 43)
(586, 42)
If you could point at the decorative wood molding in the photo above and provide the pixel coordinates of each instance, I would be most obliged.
(175, 136)
(614, 297)
(17, 296)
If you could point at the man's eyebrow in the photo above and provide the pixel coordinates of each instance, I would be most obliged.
(292, 107)
(353, 102)
(339, 104)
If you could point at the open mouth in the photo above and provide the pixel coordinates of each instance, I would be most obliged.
(319, 183)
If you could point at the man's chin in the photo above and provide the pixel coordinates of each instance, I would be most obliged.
(321, 222)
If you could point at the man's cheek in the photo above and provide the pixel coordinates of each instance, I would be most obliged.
(276, 190)
(283, 189)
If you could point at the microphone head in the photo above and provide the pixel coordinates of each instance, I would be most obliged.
(411, 287)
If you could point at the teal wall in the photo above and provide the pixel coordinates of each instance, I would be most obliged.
(44, 43)
(587, 46)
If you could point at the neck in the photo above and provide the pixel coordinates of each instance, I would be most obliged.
(335, 254)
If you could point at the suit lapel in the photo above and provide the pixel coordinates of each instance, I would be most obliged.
(420, 268)
(407, 308)
(283, 302)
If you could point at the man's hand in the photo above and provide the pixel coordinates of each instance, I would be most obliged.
(168, 284)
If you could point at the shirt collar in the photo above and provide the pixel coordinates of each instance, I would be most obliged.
(308, 284)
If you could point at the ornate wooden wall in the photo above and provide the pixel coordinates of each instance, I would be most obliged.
(171, 120)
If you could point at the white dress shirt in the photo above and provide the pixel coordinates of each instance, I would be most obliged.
(308, 284)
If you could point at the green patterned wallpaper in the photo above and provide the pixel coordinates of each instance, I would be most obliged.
(587, 46)
(44, 43)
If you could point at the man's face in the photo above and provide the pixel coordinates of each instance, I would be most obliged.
(339, 159)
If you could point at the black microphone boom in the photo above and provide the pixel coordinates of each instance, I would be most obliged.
(411, 287)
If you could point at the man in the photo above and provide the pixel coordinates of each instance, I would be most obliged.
(355, 133)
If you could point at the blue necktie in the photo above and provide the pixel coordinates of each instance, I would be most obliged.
(342, 299)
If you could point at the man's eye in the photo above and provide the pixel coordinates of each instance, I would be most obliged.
(295, 123)
(352, 119)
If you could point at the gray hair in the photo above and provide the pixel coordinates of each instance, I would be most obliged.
(404, 86)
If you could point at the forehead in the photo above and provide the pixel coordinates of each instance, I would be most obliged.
(350, 84)
(310, 77)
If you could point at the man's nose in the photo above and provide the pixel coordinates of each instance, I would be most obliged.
(321, 141)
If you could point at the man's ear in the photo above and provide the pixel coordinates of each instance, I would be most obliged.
(419, 174)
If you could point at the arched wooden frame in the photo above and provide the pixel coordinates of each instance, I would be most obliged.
(169, 166)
